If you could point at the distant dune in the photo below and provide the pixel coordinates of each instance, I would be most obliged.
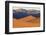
(20, 13)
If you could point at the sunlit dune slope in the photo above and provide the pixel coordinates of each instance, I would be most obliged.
(29, 21)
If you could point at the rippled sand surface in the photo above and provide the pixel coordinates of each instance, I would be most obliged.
(29, 21)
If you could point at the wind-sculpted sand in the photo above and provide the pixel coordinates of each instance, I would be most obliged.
(29, 21)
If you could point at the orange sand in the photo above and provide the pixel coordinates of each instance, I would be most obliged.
(28, 21)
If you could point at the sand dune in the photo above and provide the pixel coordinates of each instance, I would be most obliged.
(28, 21)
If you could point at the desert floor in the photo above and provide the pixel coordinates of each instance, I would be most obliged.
(28, 21)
